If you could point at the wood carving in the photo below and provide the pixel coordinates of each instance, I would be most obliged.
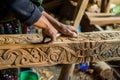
(25, 50)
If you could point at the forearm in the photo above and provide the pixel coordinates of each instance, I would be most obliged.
(41, 23)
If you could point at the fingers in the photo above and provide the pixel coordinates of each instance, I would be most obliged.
(72, 33)
(54, 38)
(49, 38)
(73, 29)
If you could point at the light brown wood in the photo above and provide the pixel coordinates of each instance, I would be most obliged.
(102, 18)
(99, 14)
(25, 50)
(79, 12)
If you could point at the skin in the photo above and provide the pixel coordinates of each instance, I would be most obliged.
(50, 27)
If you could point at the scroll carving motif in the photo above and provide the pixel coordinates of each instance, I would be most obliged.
(90, 47)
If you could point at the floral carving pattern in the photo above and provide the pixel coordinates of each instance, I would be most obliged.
(87, 47)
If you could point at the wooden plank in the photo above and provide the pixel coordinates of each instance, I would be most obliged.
(104, 21)
(82, 4)
(102, 18)
(25, 50)
(89, 14)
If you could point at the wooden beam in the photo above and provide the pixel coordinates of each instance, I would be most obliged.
(102, 18)
(25, 50)
(79, 12)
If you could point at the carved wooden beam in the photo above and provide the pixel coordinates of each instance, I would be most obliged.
(25, 50)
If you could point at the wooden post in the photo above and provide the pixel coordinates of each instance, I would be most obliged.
(67, 72)
(79, 12)
(105, 6)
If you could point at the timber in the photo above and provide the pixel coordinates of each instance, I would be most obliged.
(25, 50)
(102, 18)
(79, 12)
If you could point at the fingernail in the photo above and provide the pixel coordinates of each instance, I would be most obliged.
(74, 35)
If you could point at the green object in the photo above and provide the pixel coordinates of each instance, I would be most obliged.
(37, 2)
(29, 75)
(116, 10)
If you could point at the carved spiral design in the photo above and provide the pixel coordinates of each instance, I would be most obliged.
(60, 53)
(52, 55)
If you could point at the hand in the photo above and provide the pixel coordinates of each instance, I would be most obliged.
(49, 32)
(67, 30)
(47, 29)
(64, 29)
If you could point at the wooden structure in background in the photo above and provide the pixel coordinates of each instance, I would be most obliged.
(52, 4)
(105, 6)
(102, 18)
(79, 12)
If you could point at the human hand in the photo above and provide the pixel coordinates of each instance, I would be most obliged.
(47, 29)
(67, 30)
(62, 28)
(49, 32)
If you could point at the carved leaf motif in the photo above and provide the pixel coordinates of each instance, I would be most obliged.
(95, 46)
(38, 55)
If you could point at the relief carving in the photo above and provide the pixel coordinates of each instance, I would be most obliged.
(20, 50)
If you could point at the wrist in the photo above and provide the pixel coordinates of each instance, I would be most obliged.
(41, 23)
